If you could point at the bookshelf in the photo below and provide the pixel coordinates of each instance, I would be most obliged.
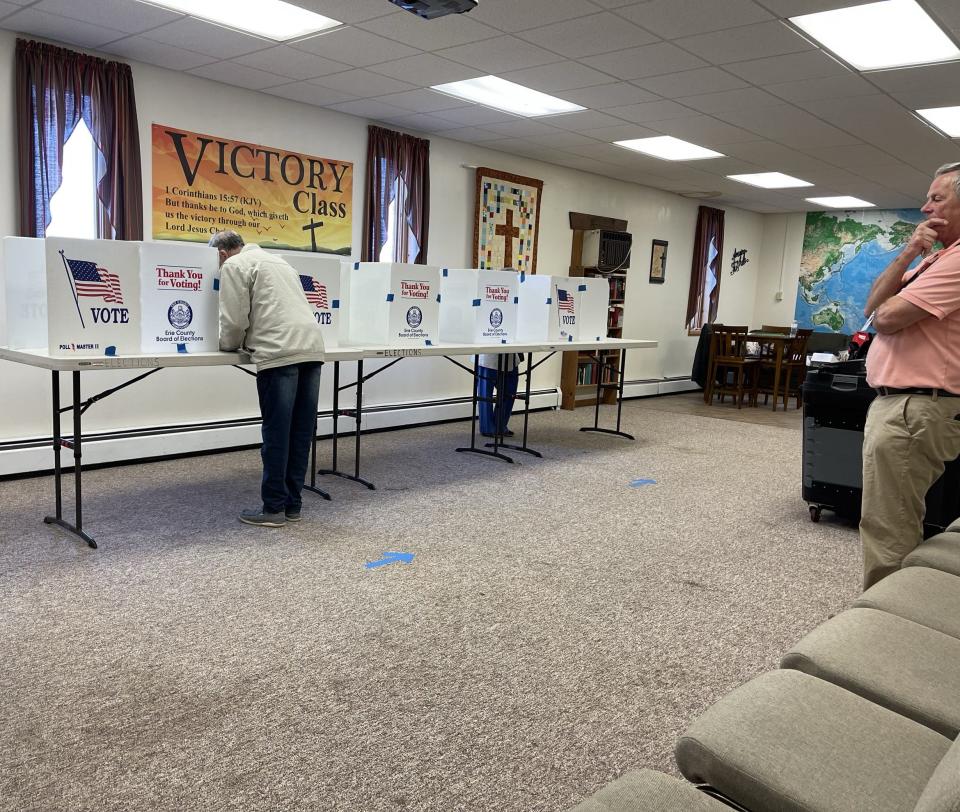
(578, 376)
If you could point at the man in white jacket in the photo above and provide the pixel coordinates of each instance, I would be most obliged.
(263, 311)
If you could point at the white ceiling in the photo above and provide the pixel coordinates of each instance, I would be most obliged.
(725, 74)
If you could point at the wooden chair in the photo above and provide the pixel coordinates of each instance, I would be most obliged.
(728, 359)
(792, 370)
(794, 366)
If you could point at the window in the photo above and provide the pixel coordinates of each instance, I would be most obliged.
(73, 207)
(398, 227)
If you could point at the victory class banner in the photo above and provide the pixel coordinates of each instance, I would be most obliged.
(278, 199)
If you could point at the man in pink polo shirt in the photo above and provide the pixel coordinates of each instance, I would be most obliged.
(912, 428)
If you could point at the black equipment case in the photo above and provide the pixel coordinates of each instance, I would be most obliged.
(835, 402)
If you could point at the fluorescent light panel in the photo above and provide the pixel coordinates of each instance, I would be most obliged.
(889, 34)
(492, 91)
(770, 180)
(946, 119)
(273, 19)
(841, 202)
(669, 148)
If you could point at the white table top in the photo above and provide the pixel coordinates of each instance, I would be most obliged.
(39, 358)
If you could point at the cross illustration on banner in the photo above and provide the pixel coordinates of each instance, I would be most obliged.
(509, 232)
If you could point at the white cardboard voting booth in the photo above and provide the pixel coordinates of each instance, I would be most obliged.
(392, 302)
(478, 306)
(93, 297)
(533, 308)
(179, 297)
(322, 280)
(23, 293)
(578, 308)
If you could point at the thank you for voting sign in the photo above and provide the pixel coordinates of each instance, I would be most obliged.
(179, 298)
(93, 297)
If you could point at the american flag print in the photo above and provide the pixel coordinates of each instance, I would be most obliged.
(92, 280)
(565, 301)
(315, 292)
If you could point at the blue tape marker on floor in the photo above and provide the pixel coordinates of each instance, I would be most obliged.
(390, 558)
(639, 483)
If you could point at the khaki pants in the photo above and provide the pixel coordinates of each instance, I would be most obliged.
(907, 441)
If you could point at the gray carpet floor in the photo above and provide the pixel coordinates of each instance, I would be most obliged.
(555, 628)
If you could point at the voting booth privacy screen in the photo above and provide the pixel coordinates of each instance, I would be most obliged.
(75, 297)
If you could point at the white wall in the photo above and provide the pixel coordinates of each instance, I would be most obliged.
(779, 268)
(197, 395)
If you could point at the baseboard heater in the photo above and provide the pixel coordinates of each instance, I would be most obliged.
(33, 456)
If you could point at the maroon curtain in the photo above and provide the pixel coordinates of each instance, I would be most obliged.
(56, 87)
(398, 166)
(705, 273)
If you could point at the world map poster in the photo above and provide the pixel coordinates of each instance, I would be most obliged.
(843, 253)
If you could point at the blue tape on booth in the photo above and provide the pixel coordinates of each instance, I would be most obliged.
(581, 288)
(438, 297)
(111, 350)
(446, 271)
(181, 347)
(516, 300)
(216, 284)
(429, 343)
(523, 276)
(476, 303)
(549, 299)
(356, 266)
(336, 304)
(389, 297)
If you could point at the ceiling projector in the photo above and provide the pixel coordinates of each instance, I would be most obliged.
(430, 9)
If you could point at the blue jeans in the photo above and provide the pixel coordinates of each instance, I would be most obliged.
(486, 383)
(288, 403)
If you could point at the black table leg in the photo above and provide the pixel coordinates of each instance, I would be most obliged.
(472, 448)
(334, 471)
(621, 370)
(528, 374)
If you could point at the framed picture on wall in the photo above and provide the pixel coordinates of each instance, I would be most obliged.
(658, 262)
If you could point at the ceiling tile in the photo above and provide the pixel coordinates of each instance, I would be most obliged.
(563, 140)
(946, 11)
(230, 73)
(473, 135)
(309, 94)
(369, 108)
(430, 35)
(647, 60)
(788, 125)
(207, 38)
(424, 101)
(618, 3)
(747, 42)
(835, 87)
(157, 53)
(596, 34)
(616, 94)
(585, 120)
(347, 11)
(121, 15)
(680, 18)
(499, 55)
(856, 156)
(691, 82)
(651, 111)
(60, 29)
(7, 8)
(773, 156)
(426, 70)
(787, 68)
(558, 76)
(703, 130)
(794, 8)
(620, 132)
(520, 128)
(288, 61)
(511, 16)
(733, 100)
(475, 114)
(355, 47)
(423, 122)
(945, 76)
(362, 83)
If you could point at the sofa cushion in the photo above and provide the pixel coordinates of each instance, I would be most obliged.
(906, 667)
(942, 793)
(790, 742)
(926, 596)
(940, 552)
(649, 791)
